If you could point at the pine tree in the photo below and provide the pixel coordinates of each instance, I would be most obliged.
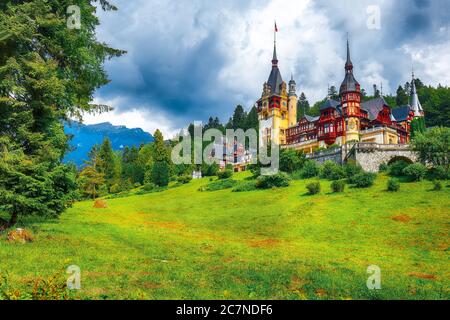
(302, 106)
(161, 156)
(48, 72)
(106, 155)
(402, 97)
(239, 118)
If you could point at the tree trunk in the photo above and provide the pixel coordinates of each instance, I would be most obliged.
(3, 224)
(13, 220)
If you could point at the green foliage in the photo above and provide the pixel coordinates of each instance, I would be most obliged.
(415, 172)
(402, 97)
(115, 188)
(313, 188)
(184, 179)
(219, 185)
(291, 160)
(338, 186)
(279, 180)
(433, 146)
(352, 168)
(48, 73)
(437, 186)
(383, 167)
(310, 169)
(149, 186)
(417, 127)
(396, 168)
(437, 173)
(245, 186)
(393, 185)
(332, 171)
(160, 173)
(210, 170)
(222, 175)
(363, 180)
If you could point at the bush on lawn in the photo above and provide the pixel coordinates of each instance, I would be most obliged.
(338, 186)
(279, 180)
(363, 180)
(352, 169)
(226, 174)
(310, 169)
(437, 186)
(245, 186)
(396, 168)
(383, 167)
(332, 171)
(437, 173)
(313, 188)
(393, 185)
(219, 185)
(415, 172)
(184, 179)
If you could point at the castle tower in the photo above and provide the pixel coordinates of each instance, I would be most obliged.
(350, 93)
(292, 104)
(415, 104)
(273, 106)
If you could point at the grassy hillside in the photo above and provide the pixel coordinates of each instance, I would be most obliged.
(274, 244)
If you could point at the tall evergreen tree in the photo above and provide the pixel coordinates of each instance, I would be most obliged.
(302, 106)
(48, 72)
(402, 97)
(239, 118)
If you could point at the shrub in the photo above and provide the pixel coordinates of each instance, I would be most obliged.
(210, 170)
(310, 169)
(313, 188)
(149, 186)
(437, 186)
(383, 167)
(279, 180)
(415, 172)
(393, 185)
(219, 185)
(115, 188)
(338, 186)
(291, 160)
(226, 174)
(363, 180)
(245, 186)
(352, 169)
(332, 171)
(396, 168)
(437, 173)
(136, 185)
(184, 179)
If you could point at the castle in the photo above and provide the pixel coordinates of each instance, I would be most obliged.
(340, 122)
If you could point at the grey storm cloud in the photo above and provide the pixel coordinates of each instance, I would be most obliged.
(177, 50)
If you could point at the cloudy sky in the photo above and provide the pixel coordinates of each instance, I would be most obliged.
(191, 59)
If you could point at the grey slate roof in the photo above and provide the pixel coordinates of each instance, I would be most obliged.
(349, 84)
(330, 103)
(275, 80)
(373, 107)
(401, 113)
(311, 119)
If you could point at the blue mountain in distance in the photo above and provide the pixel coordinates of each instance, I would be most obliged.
(86, 136)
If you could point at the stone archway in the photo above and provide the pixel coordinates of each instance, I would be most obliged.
(400, 158)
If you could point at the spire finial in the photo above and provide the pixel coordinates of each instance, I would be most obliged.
(348, 63)
(275, 59)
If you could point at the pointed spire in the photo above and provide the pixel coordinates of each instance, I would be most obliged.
(348, 63)
(415, 102)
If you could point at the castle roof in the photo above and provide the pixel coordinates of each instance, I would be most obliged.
(349, 84)
(401, 113)
(330, 103)
(275, 79)
(311, 119)
(414, 99)
(373, 107)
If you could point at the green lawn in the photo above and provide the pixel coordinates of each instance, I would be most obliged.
(274, 244)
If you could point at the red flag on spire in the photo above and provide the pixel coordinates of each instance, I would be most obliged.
(276, 28)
